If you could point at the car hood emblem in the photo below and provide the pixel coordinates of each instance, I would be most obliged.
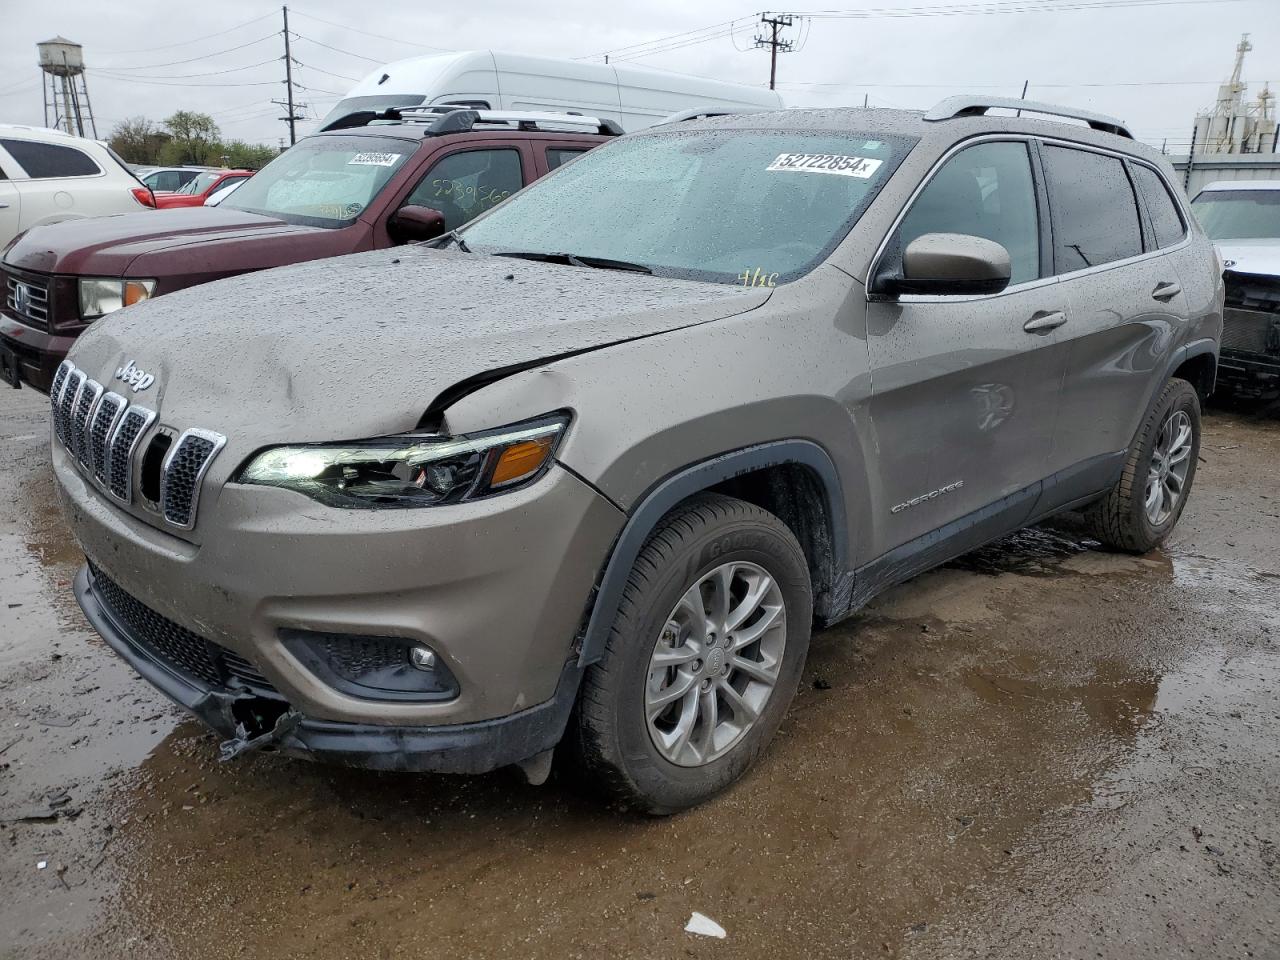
(137, 378)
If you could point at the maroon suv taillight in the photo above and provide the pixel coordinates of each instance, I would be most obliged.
(144, 196)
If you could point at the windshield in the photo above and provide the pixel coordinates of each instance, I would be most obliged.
(750, 207)
(323, 181)
(200, 184)
(1239, 214)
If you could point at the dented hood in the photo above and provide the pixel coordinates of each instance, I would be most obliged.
(360, 346)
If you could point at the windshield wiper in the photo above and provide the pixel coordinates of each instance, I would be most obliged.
(575, 260)
(456, 238)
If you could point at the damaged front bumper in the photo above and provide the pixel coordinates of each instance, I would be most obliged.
(251, 717)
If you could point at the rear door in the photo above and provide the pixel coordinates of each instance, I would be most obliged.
(1125, 305)
(963, 395)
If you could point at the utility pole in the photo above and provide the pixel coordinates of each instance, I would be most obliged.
(1191, 161)
(774, 42)
(292, 118)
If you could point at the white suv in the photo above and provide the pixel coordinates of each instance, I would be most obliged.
(48, 175)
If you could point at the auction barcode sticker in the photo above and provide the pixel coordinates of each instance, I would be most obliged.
(375, 159)
(860, 167)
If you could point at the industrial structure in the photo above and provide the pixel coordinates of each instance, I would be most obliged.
(66, 88)
(1234, 125)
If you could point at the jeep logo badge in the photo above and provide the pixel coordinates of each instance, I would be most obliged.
(135, 376)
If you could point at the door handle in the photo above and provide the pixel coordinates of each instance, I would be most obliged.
(1166, 290)
(3, 205)
(1045, 321)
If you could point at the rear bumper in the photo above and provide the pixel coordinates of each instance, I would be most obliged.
(466, 748)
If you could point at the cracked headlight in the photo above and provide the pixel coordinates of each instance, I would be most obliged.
(100, 297)
(412, 470)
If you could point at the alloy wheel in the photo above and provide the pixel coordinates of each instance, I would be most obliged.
(1170, 463)
(715, 663)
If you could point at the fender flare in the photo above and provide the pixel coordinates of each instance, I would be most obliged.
(655, 504)
(1191, 350)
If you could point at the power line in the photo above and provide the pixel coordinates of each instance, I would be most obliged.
(318, 43)
(997, 7)
(376, 36)
(197, 86)
(717, 31)
(183, 43)
(330, 73)
(107, 71)
(203, 56)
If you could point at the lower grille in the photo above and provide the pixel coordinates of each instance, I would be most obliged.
(186, 653)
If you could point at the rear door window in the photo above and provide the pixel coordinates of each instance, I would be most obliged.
(1161, 207)
(1095, 213)
(983, 191)
(44, 161)
(464, 185)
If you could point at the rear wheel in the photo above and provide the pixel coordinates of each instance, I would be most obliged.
(1143, 508)
(703, 659)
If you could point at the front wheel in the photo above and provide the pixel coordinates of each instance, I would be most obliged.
(703, 659)
(1143, 508)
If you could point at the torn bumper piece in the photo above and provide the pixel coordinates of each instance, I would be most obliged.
(251, 720)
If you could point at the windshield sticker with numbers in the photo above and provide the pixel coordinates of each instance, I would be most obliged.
(375, 159)
(860, 167)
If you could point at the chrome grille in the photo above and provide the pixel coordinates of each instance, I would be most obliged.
(100, 429)
(67, 402)
(104, 436)
(90, 391)
(124, 443)
(183, 471)
(27, 301)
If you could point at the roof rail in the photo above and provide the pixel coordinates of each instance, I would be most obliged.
(453, 119)
(700, 113)
(971, 106)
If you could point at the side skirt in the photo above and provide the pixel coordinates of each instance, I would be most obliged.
(1064, 490)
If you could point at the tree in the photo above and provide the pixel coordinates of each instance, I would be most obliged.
(194, 138)
(249, 156)
(138, 140)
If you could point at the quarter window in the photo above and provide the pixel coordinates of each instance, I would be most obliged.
(44, 161)
(1095, 215)
(558, 158)
(984, 191)
(1165, 220)
(464, 185)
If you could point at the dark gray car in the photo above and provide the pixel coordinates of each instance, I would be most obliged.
(601, 461)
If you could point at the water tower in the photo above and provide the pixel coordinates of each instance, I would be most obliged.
(66, 92)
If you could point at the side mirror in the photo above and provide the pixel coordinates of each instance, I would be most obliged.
(949, 264)
(413, 224)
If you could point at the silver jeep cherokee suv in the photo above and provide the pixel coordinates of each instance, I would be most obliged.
(587, 474)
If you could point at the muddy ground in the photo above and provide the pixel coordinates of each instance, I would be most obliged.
(1043, 750)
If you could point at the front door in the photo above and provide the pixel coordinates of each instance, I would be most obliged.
(963, 393)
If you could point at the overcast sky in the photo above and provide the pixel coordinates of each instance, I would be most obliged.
(1154, 65)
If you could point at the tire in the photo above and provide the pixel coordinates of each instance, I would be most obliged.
(617, 740)
(1121, 519)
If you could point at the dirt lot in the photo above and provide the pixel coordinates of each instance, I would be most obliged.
(1043, 750)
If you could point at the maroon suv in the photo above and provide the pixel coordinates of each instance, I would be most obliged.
(396, 179)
